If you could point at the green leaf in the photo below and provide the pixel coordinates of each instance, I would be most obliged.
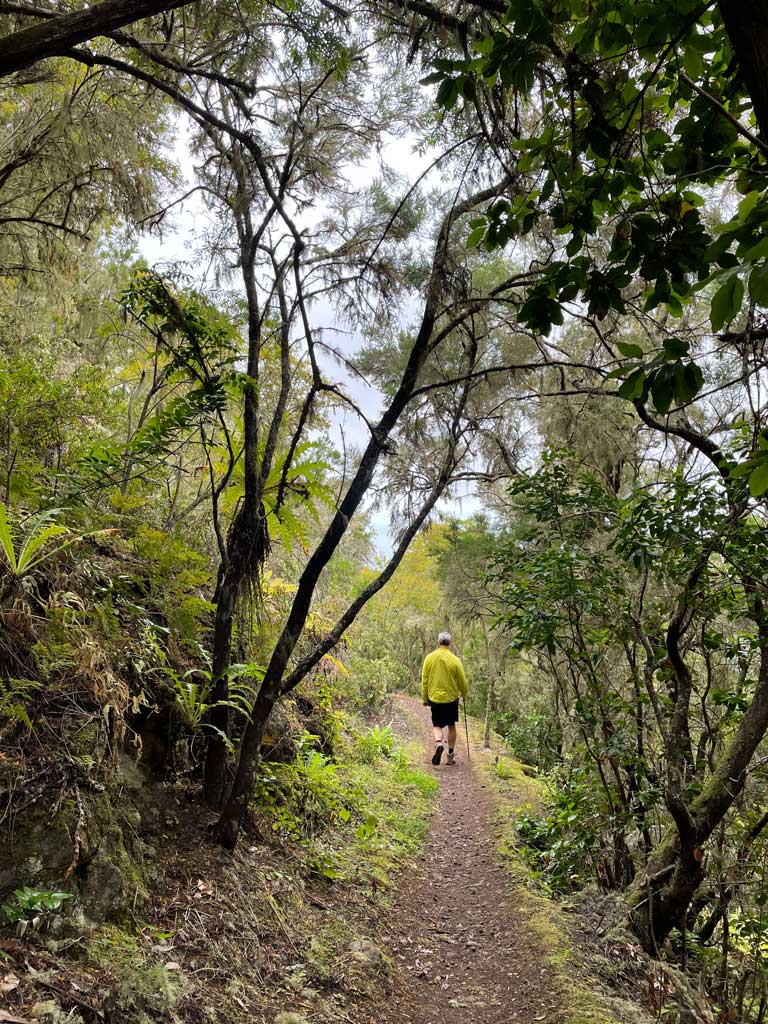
(662, 390)
(476, 236)
(34, 542)
(747, 205)
(633, 386)
(726, 302)
(743, 469)
(758, 481)
(693, 64)
(447, 94)
(694, 380)
(758, 285)
(629, 350)
(675, 347)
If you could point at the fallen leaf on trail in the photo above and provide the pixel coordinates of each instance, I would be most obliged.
(8, 983)
(172, 966)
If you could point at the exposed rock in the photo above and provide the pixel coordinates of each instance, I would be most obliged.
(129, 775)
(41, 851)
(103, 891)
(365, 951)
(132, 817)
(291, 1018)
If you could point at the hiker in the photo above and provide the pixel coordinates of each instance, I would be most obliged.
(442, 683)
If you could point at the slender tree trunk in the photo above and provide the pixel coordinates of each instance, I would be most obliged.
(747, 27)
(489, 699)
(246, 550)
(228, 827)
(215, 776)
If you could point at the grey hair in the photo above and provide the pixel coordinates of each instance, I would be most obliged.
(444, 638)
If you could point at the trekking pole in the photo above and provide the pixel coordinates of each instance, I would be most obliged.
(466, 727)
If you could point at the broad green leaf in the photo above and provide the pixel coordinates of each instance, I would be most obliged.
(633, 385)
(747, 205)
(759, 251)
(758, 285)
(662, 390)
(694, 379)
(743, 469)
(693, 64)
(675, 347)
(628, 349)
(726, 302)
(758, 481)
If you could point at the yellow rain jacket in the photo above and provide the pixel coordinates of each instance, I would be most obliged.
(442, 677)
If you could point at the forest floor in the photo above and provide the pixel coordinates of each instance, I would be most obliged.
(469, 939)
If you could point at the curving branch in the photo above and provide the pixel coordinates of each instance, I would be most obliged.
(55, 36)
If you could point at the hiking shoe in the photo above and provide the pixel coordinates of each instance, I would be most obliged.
(451, 759)
(438, 754)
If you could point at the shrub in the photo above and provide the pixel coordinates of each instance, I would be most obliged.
(559, 843)
(377, 743)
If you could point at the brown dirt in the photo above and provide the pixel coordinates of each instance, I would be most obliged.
(463, 952)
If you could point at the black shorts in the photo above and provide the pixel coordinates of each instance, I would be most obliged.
(444, 714)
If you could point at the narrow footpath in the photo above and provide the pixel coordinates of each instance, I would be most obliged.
(464, 954)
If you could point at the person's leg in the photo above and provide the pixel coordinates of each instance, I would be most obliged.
(451, 731)
(437, 732)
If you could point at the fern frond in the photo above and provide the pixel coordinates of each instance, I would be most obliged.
(34, 542)
(6, 540)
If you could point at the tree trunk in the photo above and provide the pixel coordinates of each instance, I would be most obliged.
(490, 695)
(54, 36)
(659, 898)
(215, 776)
(228, 827)
(747, 28)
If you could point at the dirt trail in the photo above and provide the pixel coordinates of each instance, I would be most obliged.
(463, 952)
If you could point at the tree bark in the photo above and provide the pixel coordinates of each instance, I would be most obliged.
(54, 36)
(747, 28)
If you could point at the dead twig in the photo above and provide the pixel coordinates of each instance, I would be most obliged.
(76, 837)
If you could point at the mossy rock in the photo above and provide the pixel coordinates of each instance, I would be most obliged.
(39, 852)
